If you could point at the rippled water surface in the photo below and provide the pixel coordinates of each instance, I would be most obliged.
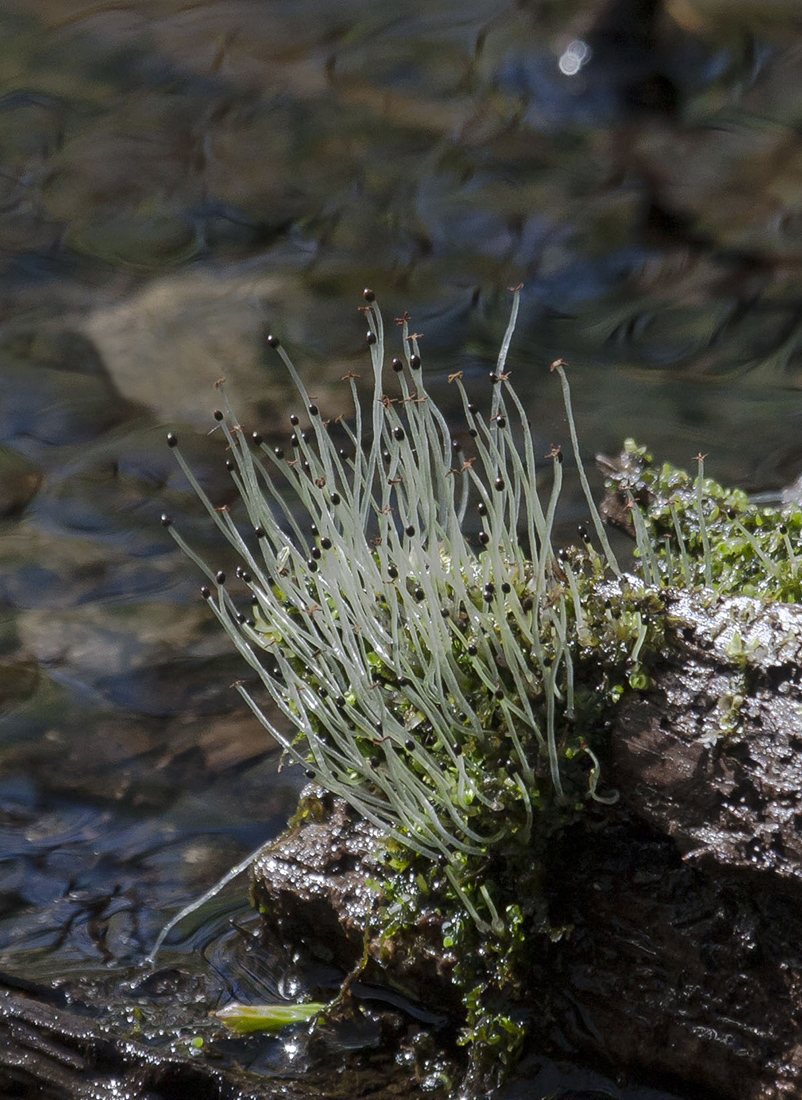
(178, 178)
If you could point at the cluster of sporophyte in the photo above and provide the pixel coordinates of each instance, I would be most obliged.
(449, 687)
(693, 534)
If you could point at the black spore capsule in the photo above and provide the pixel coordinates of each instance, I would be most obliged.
(325, 543)
(273, 341)
(498, 484)
(166, 521)
(316, 553)
(484, 538)
(257, 439)
(501, 421)
(294, 420)
(368, 295)
(445, 612)
(414, 362)
(230, 465)
(420, 594)
(481, 508)
(473, 409)
(278, 452)
(260, 532)
(311, 565)
(370, 337)
(506, 588)
(217, 415)
(392, 572)
(399, 434)
(335, 498)
(172, 439)
(206, 592)
(410, 530)
(313, 410)
(472, 650)
(397, 365)
(220, 577)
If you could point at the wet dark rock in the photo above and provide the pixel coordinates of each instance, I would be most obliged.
(46, 1051)
(673, 974)
(314, 888)
(683, 963)
(721, 773)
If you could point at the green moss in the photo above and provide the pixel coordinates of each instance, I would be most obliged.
(751, 551)
(460, 697)
(622, 636)
(693, 535)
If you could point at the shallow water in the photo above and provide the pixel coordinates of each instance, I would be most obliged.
(178, 179)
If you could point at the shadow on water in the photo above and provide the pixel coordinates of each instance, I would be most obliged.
(175, 179)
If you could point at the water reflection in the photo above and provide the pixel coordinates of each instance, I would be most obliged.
(577, 54)
(175, 179)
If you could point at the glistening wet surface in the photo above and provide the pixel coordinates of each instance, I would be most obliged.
(178, 179)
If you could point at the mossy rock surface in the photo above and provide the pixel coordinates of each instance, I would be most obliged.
(315, 888)
(680, 907)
